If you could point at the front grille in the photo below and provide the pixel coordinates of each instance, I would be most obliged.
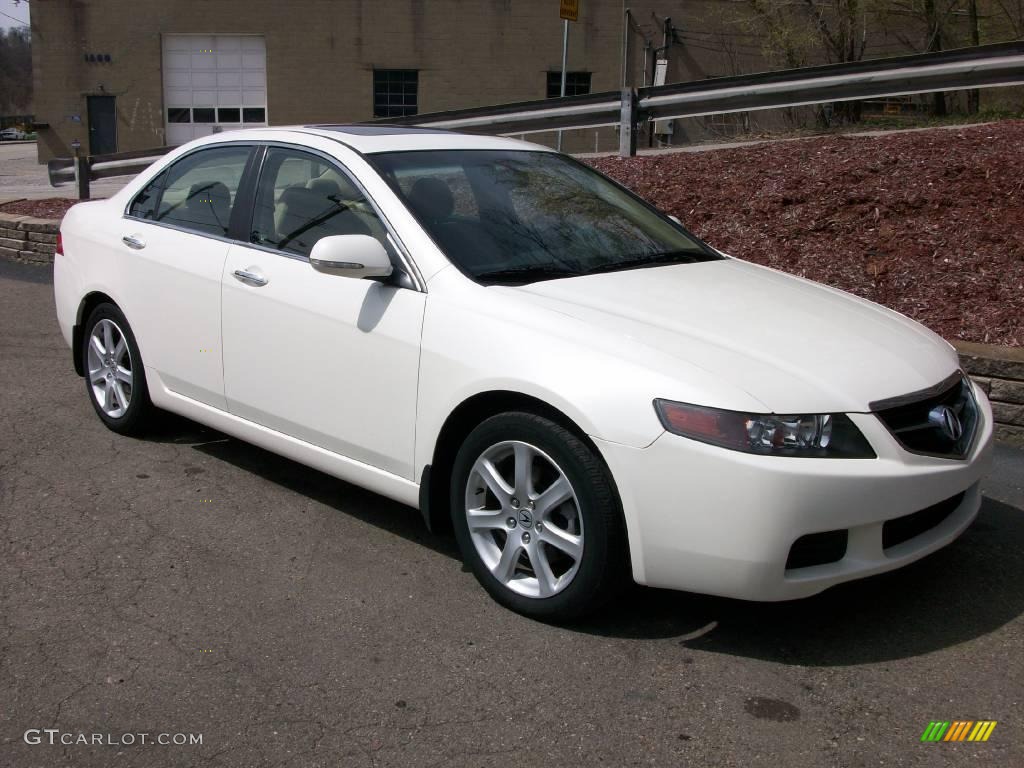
(940, 422)
(905, 528)
(817, 549)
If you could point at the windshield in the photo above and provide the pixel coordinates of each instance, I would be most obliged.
(516, 217)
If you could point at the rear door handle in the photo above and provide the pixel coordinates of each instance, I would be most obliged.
(134, 241)
(250, 277)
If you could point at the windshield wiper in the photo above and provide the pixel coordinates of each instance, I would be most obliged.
(528, 273)
(649, 259)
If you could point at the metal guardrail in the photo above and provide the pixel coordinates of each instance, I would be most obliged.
(83, 169)
(978, 67)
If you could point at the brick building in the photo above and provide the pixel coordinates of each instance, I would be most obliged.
(120, 75)
(130, 74)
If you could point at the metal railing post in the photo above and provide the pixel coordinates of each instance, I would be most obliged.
(82, 176)
(627, 123)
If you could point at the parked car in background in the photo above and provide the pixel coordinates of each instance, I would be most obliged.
(503, 337)
(12, 134)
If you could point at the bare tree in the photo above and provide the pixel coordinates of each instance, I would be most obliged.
(789, 40)
(802, 32)
(927, 26)
(842, 25)
(1007, 18)
(15, 71)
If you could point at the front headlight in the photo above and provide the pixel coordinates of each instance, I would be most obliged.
(828, 436)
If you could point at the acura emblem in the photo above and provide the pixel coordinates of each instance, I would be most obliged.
(525, 518)
(945, 418)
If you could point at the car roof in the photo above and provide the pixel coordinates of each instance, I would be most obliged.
(370, 138)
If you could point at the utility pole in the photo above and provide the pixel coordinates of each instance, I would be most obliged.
(667, 38)
(565, 56)
(625, 47)
(569, 10)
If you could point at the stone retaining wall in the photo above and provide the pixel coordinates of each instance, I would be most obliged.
(1000, 372)
(24, 238)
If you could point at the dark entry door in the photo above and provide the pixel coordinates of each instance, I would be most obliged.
(102, 125)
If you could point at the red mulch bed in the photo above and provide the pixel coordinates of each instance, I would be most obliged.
(928, 223)
(50, 208)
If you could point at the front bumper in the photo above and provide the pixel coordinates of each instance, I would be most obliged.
(710, 520)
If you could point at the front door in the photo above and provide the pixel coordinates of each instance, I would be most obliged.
(330, 360)
(102, 125)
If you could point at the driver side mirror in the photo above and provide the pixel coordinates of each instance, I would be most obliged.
(358, 256)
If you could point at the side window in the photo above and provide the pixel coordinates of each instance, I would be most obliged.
(144, 204)
(301, 198)
(197, 192)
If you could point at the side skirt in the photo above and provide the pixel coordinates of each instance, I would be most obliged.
(349, 470)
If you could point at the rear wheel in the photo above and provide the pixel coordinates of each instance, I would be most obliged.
(114, 374)
(537, 517)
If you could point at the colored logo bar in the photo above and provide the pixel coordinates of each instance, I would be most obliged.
(959, 730)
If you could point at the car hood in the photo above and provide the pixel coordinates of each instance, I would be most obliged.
(793, 345)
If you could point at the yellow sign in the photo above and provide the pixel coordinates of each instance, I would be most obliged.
(569, 9)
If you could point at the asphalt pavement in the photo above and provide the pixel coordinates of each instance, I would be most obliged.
(188, 583)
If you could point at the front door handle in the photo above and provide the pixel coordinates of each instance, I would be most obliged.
(134, 242)
(250, 277)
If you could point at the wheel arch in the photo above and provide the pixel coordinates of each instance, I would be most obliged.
(88, 303)
(435, 477)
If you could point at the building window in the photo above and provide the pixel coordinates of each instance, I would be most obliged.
(576, 83)
(254, 115)
(202, 115)
(395, 92)
(179, 115)
(229, 115)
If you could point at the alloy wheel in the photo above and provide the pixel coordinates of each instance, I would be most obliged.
(109, 364)
(524, 519)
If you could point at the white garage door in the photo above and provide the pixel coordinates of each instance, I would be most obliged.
(213, 82)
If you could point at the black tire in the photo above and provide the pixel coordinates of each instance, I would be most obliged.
(603, 568)
(138, 416)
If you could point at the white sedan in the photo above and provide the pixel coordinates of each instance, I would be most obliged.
(505, 338)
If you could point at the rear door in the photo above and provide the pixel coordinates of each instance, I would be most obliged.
(178, 227)
(330, 360)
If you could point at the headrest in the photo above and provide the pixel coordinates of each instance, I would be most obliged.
(209, 205)
(304, 202)
(432, 199)
(324, 187)
(303, 207)
(210, 192)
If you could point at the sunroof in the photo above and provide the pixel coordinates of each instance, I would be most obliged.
(376, 130)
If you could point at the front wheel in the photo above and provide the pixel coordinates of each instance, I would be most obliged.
(537, 517)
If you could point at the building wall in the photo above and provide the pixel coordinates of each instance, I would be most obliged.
(321, 54)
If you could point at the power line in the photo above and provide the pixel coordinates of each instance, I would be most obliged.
(25, 23)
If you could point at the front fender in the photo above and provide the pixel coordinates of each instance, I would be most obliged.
(476, 340)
